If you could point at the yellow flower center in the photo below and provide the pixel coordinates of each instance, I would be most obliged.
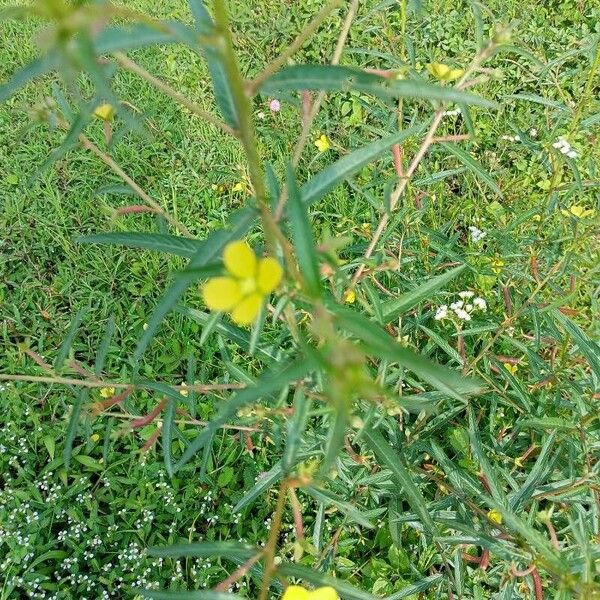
(247, 286)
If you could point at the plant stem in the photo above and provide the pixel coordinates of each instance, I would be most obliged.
(129, 65)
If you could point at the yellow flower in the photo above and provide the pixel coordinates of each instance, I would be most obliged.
(496, 265)
(250, 280)
(107, 392)
(95, 437)
(183, 391)
(105, 112)
(296, 592)
(495, 516)
(511, 368)
(240, 186)
(323, 143)
(537, 218)
(576, 210)
(444, 72)
(350, 296)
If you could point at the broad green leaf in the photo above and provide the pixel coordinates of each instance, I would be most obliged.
(379, 343)
(211, 250)
(396, 307)
(267, 384)
(473, 166)
(328, 178)
(82, 398)
(394, 462)
(330, 499)
(170, 244)
(233, 550)
(333, 78)
(63, 351)
(304, 240)
(345, 590)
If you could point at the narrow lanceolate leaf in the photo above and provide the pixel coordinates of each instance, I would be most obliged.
(334, 78)
(466, 159)
(140, 35)
(393, 461)
(267, 384)
(82, 398)
(185, 595)
(210, 251)
(345, 590)
(36, 68)
(104, 346)
(202, 18)
(295, 429)
(304, 240)
(68, 341)
(170, 244)
(167, 434)
(379, 343)
(233, 550)
(539, 100)
(398, 306)
(588, 347)
(352, 163)
(330, 499)
(264, 482)
(415, 588)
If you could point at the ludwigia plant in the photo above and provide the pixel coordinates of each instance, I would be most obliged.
(333, 374)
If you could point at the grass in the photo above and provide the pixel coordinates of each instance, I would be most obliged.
(83, 533)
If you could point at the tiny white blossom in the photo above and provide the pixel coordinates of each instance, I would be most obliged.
(457, 305)
(466, 294)
(462, 314)
(441, 313)
(480, 303)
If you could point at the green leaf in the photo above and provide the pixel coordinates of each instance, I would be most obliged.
(328, 498)
(89, 462)
(36, 68)
(391, 459)
(82, 398)
(170, 244)
(262, 485)
(394, 308)
(345, 590)
(335, 439)
(295, 427)
(379, 343)
(328, 178)
(304, 240)
(415, 588)
(333, 78)
(232, 550)
(68, 341)
(539, 100)
(167, 434)
(140, 35)
(471, 164)
(267, 384)
(211, 250)
(202, 18)
(104, 346)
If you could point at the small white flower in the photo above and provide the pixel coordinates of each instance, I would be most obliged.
(572, 154)
(466, 294)
(441, 313)
(469, 307)
(533, 132)
(565, 149)
(457, 305)
(462, 314)
(480, 303)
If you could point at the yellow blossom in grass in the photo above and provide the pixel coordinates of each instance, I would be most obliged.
(323, 143)
(106, 112)
(95, 437)
(495, 516)
(444, 72)
(512, 369)
(183, 391)
(296, 592)
(350, 296)
(107, 392)
(248, 283)
(496, 265)
(240, 186)
(576, 210)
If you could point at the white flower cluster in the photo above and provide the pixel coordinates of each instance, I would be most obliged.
(452, 113)
(512, 138)
(564, 147)
(462, 308)
(476, 234)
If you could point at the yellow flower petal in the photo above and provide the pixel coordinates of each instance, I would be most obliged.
(107, 392)
(105, 112)
(323, 593)
(295, 592)
(269, 274)
(350, 296)
(455, 74)
(323, 143)
(247, 310)
(439, 70)
(495, 516)
(240, 259)
(221, 293)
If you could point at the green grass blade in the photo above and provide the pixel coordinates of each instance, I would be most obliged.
(390, 458)
(304, 240)
(82, 398)
(335, 439)
(588, 347)
(295, 427)
(415, 588)
(104, 345)
(350, 164)
(334, 78)
(396, 307)
(185, 595)
(63, 351)
(169, 244)
(468, 161)
(232, 550)
(330, 499)
(36, 68)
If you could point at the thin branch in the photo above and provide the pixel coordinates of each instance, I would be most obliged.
(303, 36)
(237, 574)
(107, 160)
(129, 65)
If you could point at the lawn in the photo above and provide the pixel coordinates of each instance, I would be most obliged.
(501, 496)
